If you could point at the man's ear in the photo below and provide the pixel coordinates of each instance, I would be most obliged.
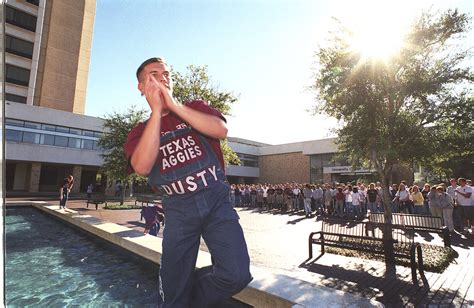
(141, 88)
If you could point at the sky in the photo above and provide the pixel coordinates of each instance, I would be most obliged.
(263, 51)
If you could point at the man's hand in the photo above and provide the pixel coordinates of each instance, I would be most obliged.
(154, 95)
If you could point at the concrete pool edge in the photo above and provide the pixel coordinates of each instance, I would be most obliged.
(266, 290)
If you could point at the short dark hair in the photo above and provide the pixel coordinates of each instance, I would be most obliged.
(146, 62)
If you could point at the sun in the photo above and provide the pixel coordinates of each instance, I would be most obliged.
(377, 41)
(377, 27)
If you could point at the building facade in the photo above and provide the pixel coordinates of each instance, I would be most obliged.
(47, 54)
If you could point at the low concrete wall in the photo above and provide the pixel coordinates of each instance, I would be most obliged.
(266, 290)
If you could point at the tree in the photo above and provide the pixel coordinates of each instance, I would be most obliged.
(116, 128)
(395, 111)
(196, 84)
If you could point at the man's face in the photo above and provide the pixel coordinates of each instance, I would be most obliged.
(453, 182)
(159, 71)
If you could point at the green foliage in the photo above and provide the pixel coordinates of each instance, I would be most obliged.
(122, 207)
(435, 258)
(196, 84)
(116, 129)
(402, 109)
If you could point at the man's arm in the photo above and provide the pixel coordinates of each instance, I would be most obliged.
(146, 152)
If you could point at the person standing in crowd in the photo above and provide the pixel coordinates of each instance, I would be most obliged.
(90, 188)
(238, 196)
(340, 197)
(307, 200)
(418, 201)
(356, 202)
(271, 197)
(425, 192)
(463, 196)
(402, 196)
(348, 201)
(443, 205)
(196, 200)
(395, 203)
(372, 198)
(64, 194)
(232, 195)
(451, 190)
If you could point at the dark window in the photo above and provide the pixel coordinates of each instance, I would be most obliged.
(75, 131)
(34, 2)
(47, 139)
(19, 47)
(97, 134)
(33, 125)
(31, 137)
(60, 141)
(14, 122)
(74, 143)
(62, 129)
(87, 144)
(48, 127)
(13, 135)
(20, 19)
(15, 98)
(17, 75)
(88, 133)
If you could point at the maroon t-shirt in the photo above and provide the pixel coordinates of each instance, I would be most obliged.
(172, 122)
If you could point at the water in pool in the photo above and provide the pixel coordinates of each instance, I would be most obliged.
(50, 264)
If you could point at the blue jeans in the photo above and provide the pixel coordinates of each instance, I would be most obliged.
(208, 214)
(372, 206)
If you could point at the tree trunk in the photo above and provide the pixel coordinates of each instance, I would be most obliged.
(387, 230)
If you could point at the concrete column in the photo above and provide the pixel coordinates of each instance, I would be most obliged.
(34, 177)
(76, 173)
(20, 176)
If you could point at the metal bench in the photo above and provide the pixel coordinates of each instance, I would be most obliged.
(358, 236)
(96, 199)
(413, 223)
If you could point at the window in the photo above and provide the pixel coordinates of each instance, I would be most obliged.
(34, 2)
(33, 125)
(47, 139)
(18, 47)
(88, 133)
(17, 75)
(74, 143)
(62, 129)
(20, 19)
(14, 122)
(75, 131)
(87, 144)
(13, 135)
(60, 141)
(50, 128)
(31, 137)
(15, 98)
(98, 134)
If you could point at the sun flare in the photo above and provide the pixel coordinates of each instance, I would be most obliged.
(377, 28)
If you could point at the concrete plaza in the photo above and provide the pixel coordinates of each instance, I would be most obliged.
(279, 243)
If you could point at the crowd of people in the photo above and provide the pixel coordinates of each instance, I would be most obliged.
(453, 202)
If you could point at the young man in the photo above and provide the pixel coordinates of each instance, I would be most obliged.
(178, 149)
